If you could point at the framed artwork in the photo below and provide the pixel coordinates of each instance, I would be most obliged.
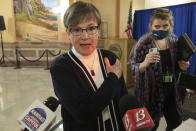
(35, 20)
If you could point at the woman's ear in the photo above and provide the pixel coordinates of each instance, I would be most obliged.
(67, 31)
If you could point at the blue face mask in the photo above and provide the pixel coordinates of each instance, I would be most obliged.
(160, 34)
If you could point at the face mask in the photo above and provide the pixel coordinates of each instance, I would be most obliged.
(160, 34)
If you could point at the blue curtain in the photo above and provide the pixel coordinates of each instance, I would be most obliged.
(184, 22)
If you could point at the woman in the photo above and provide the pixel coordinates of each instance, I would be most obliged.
(155, 66)
(88, 81)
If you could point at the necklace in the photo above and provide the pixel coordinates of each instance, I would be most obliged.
(162, 47)
(92, 72)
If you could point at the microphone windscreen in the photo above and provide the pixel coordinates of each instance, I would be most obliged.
(128, 102)
(52, 103)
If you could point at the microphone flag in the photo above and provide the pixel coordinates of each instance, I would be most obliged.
(137, 119)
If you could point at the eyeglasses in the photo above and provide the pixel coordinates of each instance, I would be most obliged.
(90, 30)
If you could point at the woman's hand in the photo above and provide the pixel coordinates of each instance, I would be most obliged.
(191, 91)
(116, 68)
(183, 65)
(151, 57)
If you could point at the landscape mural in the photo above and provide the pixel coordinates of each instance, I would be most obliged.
(35, 20)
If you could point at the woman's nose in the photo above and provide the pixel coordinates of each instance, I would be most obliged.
(84, 34)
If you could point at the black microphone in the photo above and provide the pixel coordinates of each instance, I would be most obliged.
(52, 103)
(39, 116)
(135, 117)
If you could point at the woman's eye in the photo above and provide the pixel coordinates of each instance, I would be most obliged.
(91, 28)
(76, 30)
(165, 26)
(157, 27)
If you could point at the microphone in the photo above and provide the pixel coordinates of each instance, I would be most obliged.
(135, 117)
(39, 116)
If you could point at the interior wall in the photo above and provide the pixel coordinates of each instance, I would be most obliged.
(6, 10)
(107, 9)
(61, 29)
(124, 11)
(162, 3)
(137, 5)
(147, 4)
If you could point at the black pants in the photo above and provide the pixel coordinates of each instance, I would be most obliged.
(172, 115)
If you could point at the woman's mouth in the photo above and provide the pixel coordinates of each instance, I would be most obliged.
(85, 44)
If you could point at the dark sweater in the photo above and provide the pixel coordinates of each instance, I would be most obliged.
(82, 105)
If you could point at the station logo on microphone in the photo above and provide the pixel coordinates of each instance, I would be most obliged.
(35, 118)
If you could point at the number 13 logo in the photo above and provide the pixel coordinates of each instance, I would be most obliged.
(140, 115)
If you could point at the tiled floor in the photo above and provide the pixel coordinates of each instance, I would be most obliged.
(19, 88)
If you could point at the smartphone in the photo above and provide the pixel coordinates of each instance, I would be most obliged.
(153, 50)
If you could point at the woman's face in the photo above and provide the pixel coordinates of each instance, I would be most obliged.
(85, 42)
(160, 24)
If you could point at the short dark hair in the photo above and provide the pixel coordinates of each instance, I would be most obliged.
(164, 14)
(80, 11)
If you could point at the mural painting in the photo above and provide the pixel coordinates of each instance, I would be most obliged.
(35, 20)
